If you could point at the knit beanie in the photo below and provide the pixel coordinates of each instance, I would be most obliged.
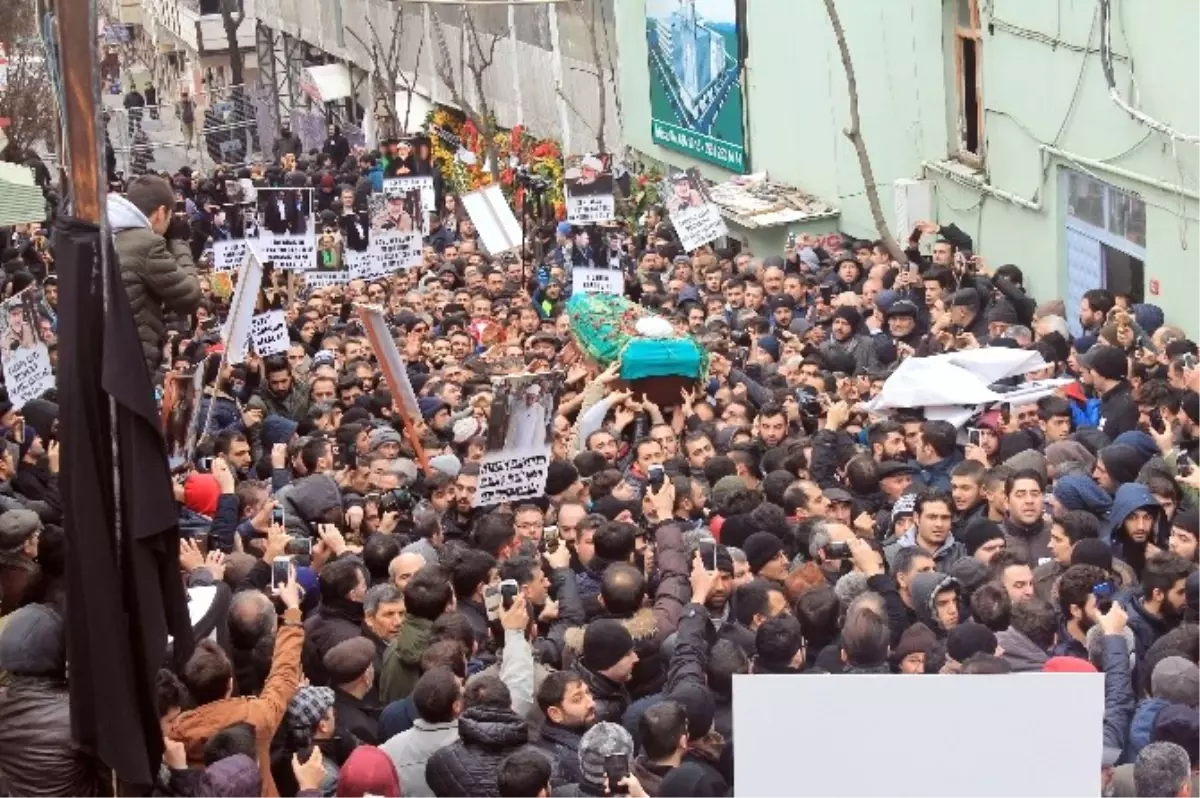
(1092, 551)
(1002, 311)
(1078, 491)
(1107, 361)
(1140, 442)
(970, 573)
(725, 487)
(978, 532)
(1060, 453)
(849, 315)
(200, 494)
(760, 548)
(605, 643)
(1188, 521)
(916, 639)
(560, 476)
(602, 740)
(1068, 665)
(1122, 462)
(968, 639)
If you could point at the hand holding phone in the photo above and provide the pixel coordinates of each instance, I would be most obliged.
(616, 770)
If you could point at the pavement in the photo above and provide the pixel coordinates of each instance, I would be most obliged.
(165, 134)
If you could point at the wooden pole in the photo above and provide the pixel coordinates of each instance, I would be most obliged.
(76, 23)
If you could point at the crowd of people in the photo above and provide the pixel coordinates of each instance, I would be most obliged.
(364, 629)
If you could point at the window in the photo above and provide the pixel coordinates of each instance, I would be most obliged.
(968, 75)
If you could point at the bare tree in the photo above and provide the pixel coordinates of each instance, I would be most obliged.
(386, 73)
(854, 133)
(233, 13)
(28, 100)
(473, 65)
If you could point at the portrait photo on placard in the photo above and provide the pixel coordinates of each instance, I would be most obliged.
(588, 175)
(396, 211)
(522, 413)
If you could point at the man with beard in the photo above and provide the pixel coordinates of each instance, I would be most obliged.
(1157, 606)
(717, 602)
(458, 520)
(1077, 608)
(886, 440)
(283, 394)
(772, 425)
(570, 710)
(846, 340)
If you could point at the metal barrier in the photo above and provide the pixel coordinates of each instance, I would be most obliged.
(225, 130)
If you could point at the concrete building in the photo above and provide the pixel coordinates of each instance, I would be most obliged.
(996, 116)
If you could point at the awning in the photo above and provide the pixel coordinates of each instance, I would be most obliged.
(326, 83)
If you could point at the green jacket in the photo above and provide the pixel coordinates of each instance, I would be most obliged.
(158, 274)
(402, 659)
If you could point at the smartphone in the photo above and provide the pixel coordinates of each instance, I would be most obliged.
(508, 592)
(1156, 421)
(1104, 593)
(616, 768)
(281, 569)
(492, 602)
(655, 477)
(827, 293)
(180, 207)
(277, 518)
(204, 464)
(299, 547)
(550, 538)
(973, 436)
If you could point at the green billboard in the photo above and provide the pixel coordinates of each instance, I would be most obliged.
(696, 96)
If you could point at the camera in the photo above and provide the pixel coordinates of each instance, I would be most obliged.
(740, 337)
(398, 500)
(529, 180)
(836, 550)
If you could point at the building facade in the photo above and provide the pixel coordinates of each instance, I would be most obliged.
(997, 116)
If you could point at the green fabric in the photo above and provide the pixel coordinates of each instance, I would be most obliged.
(604, 328)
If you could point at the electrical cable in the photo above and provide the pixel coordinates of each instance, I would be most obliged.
(1114, 94)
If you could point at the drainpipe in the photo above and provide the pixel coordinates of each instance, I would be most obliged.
(972, 182)
(1101, 166)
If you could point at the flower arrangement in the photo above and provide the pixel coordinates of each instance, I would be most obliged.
(451, 132)
(644, 192)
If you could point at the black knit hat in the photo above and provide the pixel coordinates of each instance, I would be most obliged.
(605, 643)
(760, 548)
(916, 639)
(559, 477)
(1092, 551)
(849, 315)
(1122, 462)
(968, 639)
(1107, 361)
(978, 532)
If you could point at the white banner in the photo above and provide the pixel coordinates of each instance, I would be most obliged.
(519, 434)
(497, 226)
(390, 362)
(587, 280)
(269, 333)
(391, 251)
(236, 332)
(229, 254)
(591, 209)
(822, 719)
(697, 226)
(286, 252)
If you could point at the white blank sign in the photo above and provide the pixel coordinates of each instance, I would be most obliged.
(922, 736)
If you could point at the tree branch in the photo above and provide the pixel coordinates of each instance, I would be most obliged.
(854, 133)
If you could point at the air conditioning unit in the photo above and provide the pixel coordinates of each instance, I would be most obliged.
(913, 200)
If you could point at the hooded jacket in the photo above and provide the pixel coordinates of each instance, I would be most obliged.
(1021, 653)
(469, 766)
(936, 475)
(402, 660)
(924, 589)
(158, 275)
(950, 552)
(37, 756)
(1146, 627)
(1078, 491)
(1130, 496)
(611, 699)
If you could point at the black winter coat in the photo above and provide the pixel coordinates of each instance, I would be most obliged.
(37, 756)
(561, 744)
(469, 766)
(334, 622)
(611, 699)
